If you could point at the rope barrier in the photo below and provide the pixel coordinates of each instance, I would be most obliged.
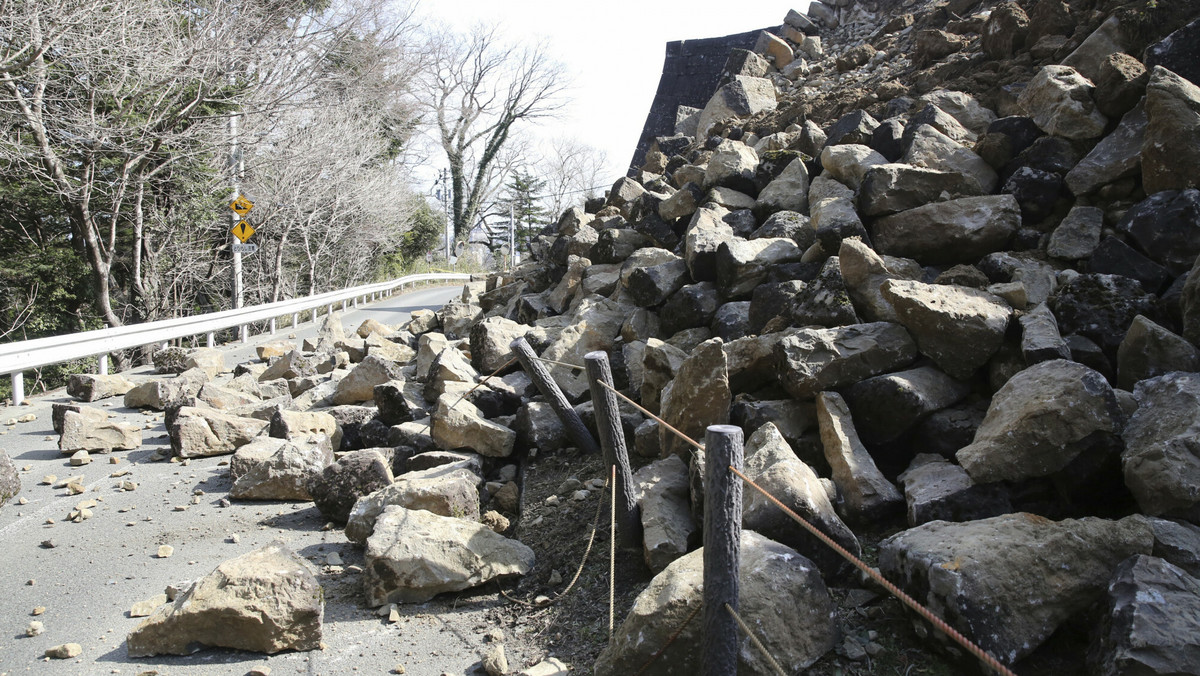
(907, 600)
(578, 571)
(875, 575)
(562, 363)
(872, 573)
(657, 419)
(429, 425)
(754, 639)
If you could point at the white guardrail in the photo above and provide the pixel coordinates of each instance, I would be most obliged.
(31, 354)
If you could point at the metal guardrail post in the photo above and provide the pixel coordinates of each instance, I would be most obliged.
(18, 388)
(541, 377)
(244, 331)
(295, 319)
(102, 365)
(272, 326)
(722, 547)
(612, 443)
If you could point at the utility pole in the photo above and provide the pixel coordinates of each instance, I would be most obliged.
(235, 176)
(448, 204)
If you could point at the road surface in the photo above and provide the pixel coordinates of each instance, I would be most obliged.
(87, 575)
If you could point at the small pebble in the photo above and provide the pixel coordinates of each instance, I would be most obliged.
(38, 610)
(495, 663)
(165, 551)
(259, 671)
(580, 495)
(333, 559)
(81, 458)
(49, 544)
(64, 651)
(35, 628)
(22, 501)
(49, 479)
(235, 538)
(114, 460)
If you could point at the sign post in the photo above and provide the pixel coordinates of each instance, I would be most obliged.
(243, 231)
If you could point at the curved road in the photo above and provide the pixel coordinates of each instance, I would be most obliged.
(87, 575)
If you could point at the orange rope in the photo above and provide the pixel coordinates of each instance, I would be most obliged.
(907, 600)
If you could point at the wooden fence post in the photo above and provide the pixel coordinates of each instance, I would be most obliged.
(612, 443)
(540, 375)
(722, 547)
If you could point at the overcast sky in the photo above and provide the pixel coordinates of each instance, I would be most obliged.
(613, 50)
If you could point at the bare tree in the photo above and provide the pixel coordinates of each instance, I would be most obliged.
(477, 89)
(107, 102)
(572, 171)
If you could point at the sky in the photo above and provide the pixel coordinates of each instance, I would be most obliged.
(613, 51)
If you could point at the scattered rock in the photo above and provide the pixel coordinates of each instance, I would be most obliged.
(781, 594)
(812, 360)
(89, 429)
(1150, 621)
(414, 555)
(866, 494)
(957, 327)
(666, 517)
(1042, 572)
(1060, 102)
(447, 490)
(89, 387)
(1040, 421)
(265, 601)
(65, 651)
(697, 397)
(336, 488)
(1172, 141)
(1159, 458)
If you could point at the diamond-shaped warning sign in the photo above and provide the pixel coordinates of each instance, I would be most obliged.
(241, 205)
(243, 231)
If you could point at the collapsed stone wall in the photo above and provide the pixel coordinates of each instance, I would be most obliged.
(690, 73)
(937, 261)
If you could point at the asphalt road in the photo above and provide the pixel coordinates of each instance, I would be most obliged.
(97, 569)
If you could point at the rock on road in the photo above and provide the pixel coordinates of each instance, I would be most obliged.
(88, 575)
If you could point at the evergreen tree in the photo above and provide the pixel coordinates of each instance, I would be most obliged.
(523, 194)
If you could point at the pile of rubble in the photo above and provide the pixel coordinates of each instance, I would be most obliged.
(938, 266)
(968, 309)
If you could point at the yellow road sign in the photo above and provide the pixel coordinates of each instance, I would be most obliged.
(243, 231)
(241, 205)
